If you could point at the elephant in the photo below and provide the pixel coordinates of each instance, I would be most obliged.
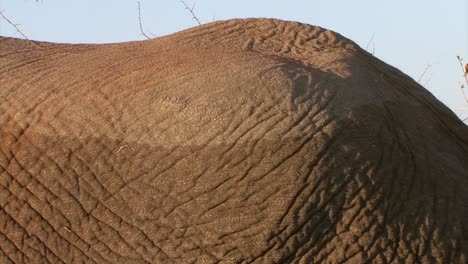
(238, 141)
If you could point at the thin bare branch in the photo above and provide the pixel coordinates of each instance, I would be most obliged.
(141, 24)
(370, 44)
(427, 80)
(464, 96)
(191, 11)
(13, 24)
(465, 76)
(371, 41)
(428, 66)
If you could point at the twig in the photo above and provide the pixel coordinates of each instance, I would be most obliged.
(371, 41)
(13, 24)
(465, 74)
(139, 22)
(428, 80)
(428, 66)
(191, 11)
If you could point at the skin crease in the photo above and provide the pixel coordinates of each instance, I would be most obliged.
(240, 141)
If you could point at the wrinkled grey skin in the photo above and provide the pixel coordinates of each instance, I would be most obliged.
(245, 141)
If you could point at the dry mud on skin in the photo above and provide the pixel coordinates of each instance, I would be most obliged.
(243, 141)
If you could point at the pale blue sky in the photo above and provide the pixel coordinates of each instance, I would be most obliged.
(408, 34)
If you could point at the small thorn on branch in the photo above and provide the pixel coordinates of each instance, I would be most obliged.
(13, 25)
(140, 24)
(191, 11)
